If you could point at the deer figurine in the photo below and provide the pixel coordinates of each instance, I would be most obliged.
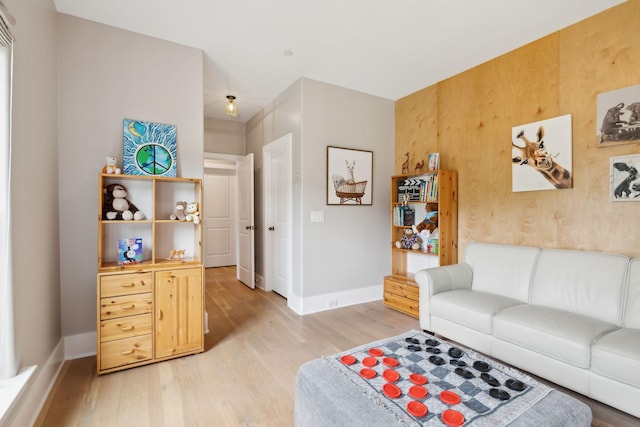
(419, 166)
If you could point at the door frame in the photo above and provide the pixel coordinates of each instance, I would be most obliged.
(215, 168)
(283, 141)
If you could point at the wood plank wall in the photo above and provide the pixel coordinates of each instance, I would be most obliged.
(468, 119)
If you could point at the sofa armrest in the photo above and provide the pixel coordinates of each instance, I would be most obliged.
(433, 281)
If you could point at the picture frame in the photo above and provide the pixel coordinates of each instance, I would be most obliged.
(349, 176)
(541, 155)
(624, 180)
(618, 117)
(149, 148)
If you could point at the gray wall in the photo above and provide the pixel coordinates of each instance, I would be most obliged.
(224, 136)
(347, 256)
(34, 187)
(350, 250)
(105, 76)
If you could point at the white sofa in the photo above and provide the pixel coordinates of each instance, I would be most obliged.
(571, 317)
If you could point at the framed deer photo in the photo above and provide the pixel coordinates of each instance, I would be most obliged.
(349, 176)
(618, 117)
(541, 155)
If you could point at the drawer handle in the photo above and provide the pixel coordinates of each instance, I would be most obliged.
(128, 285)
(128, 307)
(126, 328)
(127, 352)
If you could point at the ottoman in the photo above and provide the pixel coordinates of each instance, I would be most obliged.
(329, 392)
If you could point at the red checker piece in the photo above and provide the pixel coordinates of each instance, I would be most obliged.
(391, 375)
(418, 392)
(417, 409)
(348, 359)
(449, 397)
(418, 379)
(452, 418)
(391, 390)
(376, 352)
(368, 373)
(390, 361)
(369, 361)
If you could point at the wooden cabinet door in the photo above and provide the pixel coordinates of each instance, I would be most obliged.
(178, 312)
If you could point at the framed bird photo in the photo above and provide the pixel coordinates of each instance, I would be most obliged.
(624, 179)
(149, 148)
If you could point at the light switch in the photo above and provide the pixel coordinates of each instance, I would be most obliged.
(317, 216)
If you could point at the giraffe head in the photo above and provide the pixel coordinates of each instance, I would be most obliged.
(533, 153)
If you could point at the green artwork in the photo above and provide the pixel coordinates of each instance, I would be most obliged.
(149, 148)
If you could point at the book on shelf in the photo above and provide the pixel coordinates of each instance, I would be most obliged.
(129, 251)
(403, 216)
(424, 189)
(433, 161)
(408, 216)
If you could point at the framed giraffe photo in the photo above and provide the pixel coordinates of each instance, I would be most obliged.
(541, 155)
(349, 176)
(624, 181)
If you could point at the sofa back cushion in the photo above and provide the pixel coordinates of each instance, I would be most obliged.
(502, 269)
(632, 308)
(587, 283)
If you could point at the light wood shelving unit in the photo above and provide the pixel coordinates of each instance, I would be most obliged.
(400, 289)
(153, 310)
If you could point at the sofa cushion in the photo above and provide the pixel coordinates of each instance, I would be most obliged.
(632, 308)
(617, 355)
(556, 333)
(587, 283)
(473, 309)
(502, 269)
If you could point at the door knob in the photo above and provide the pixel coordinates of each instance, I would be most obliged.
(271, 228)
(248, 227)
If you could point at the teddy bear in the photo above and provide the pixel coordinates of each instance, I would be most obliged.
(111, 166)
(116, 206)
(430, 222)
(180, 214)
(409, 240)
(192, 212)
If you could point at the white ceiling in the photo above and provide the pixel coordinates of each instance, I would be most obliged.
(387, 48)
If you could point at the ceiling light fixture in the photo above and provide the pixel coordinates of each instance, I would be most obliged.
(231, 108)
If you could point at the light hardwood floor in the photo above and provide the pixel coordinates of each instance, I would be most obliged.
(246, 375)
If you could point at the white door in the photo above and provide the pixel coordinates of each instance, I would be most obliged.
(277, 221)
(219, 217)
(246, 239)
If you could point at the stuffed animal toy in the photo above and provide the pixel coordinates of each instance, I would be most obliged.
(192, 212)
(430, 222)
(116, 206)
(180, 214)
(111, 166)
(409, 240)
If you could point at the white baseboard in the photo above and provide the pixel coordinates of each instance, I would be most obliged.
(27, 406)
(80, 345)
(336, 299)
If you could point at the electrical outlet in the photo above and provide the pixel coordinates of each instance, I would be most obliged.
(332, 303)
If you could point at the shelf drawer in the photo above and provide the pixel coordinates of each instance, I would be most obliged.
(125, 351)
(404, 305)
(125, 327)
(403, 289)
(125, 284)
(128, 305)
